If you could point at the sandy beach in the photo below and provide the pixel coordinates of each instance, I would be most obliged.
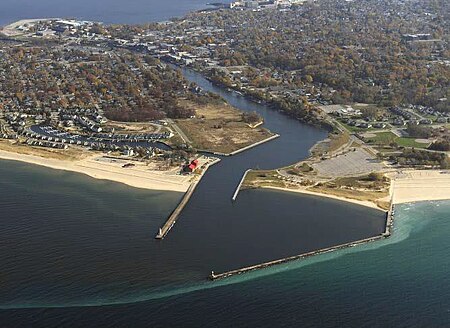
(99, 167)
(308, 192)
(421, 185)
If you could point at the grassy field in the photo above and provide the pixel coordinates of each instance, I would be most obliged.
(258, 178)
(410, 142)
(220, 128)
(386, 138)
(383, 138)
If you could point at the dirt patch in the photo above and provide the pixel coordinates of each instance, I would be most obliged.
(70, 154)
(424, 141)
(220, 128)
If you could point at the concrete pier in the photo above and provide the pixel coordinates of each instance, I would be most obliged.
(238, 188)
(254, 145)
(240, 150)
(164, 230)
(386, 234)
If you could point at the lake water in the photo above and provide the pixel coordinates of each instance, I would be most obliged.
(80, 252)
(107, 11)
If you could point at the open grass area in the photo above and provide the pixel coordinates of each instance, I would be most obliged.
(410, 142)
(386, 138)
(383, 138)
(259, 178)
(220, 128)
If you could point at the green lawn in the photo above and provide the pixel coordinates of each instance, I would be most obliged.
(385, 138)
(410, 142)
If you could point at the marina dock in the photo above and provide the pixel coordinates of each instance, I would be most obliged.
(386, 234)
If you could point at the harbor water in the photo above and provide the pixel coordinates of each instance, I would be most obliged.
(76, 251)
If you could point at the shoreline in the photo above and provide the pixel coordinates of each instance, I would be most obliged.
(137, 178)
(312, 193)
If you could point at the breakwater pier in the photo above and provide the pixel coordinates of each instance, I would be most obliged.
(385, 234)
(170, 222)
(240, 150)
(238, 188)
(164, 230)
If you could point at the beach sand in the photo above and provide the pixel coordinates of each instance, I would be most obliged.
(308, 192)
(421, 185)
(99, 167)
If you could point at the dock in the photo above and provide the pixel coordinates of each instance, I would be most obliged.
(164, 230)
(238, 188)
(386, 234)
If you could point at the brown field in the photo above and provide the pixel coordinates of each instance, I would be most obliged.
(220, 128)
(132, 127)
(70, 154)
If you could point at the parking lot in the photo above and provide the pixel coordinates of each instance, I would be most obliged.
(352, 163)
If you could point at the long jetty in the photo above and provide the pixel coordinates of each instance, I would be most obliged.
(385, 234)
(164, 230)
(241, 149)
(238, 188)
(254, 145)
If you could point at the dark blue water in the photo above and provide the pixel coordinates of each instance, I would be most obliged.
(80, 252)
(77, 242)
(107, 11)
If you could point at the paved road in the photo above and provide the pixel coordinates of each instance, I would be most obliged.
(179, 131)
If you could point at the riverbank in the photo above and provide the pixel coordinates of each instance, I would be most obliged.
(104, 168)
